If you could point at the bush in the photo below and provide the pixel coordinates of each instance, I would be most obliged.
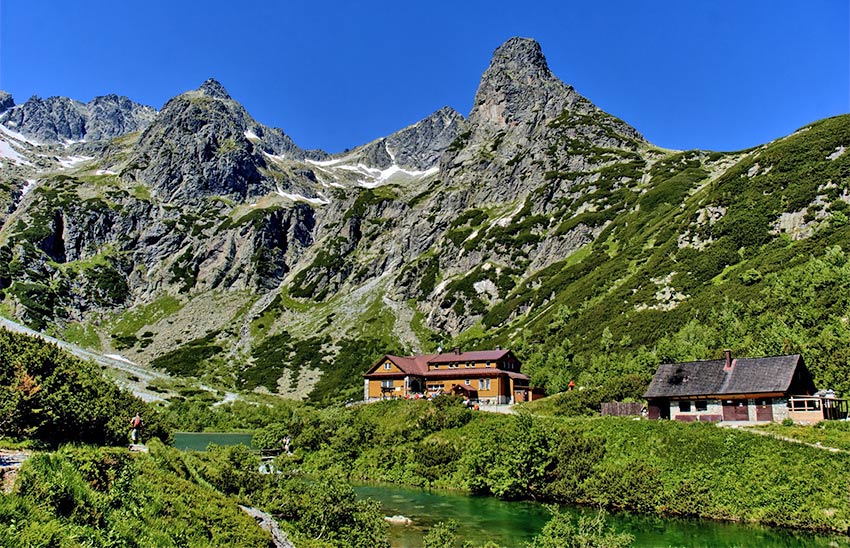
(50, 396)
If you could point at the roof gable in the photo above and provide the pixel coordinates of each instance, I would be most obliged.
(411, 365)
(747, 376)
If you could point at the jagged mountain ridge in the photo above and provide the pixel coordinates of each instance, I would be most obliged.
(59, 119)
(209, 232)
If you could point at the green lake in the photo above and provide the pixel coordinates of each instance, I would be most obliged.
(511, 524)
(198, 441)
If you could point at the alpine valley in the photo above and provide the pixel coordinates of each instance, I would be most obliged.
(198, 242)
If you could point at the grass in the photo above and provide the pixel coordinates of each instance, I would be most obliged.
(827, 434)
(83, 335)
(130, 322)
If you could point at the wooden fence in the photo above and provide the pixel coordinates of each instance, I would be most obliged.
(620, 409)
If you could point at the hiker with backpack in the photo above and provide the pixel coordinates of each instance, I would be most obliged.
(136, 433)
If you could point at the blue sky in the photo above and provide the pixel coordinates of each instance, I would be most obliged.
(718, 75)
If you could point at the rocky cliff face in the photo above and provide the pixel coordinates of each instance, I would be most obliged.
(59, 119)
(414, 148)
(6, 101)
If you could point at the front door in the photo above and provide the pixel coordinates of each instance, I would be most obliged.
(736, 410)
(659, 409)
(764, 409)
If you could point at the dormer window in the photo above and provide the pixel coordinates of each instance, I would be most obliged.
(387, 365)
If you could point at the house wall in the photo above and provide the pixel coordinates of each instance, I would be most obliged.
(780, 409)
(713, 412)
(715, 408)
(374, 389)
(498, 393)
(806, 417)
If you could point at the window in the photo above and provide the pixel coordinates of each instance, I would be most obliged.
(488, 364)
(386, 384)
(487, 384)
(467, 382)
(387, 365)
(804, 404)
(685, 406)
(701, 405)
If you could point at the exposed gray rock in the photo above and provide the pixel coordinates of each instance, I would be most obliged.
(111, 116)
(59, 119)
(214, 89)
(6, 101)
(206, 199)
(419, 146)
(50, 120)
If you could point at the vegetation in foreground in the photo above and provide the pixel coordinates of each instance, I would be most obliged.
(650, 467)
(87, 496)
(49, 397)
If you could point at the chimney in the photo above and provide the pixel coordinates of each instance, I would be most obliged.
(729, 362)
(456, 350)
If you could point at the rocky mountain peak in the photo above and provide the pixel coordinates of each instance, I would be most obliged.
(6, 101)
(214, 89)
(518, 90)
(417, 147)
(520, 57)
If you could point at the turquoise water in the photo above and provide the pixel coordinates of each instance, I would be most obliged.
(198, 441)
(511, 524)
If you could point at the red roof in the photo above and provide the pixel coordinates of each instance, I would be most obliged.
(418, 365)
(474, 356)
(411, 365)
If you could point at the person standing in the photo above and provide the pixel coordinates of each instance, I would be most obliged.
(136, 433)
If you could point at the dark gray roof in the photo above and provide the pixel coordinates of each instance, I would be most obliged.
(748, 376)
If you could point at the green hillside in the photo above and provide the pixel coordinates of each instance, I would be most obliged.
(665, 281)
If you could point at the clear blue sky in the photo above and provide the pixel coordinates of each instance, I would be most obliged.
(719, 75)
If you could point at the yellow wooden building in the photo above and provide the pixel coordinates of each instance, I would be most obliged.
(490, 376)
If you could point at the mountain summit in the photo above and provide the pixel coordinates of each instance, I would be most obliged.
(214, 89)
(518, 90)
(521, 58)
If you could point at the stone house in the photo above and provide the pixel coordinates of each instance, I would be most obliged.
(766, 389)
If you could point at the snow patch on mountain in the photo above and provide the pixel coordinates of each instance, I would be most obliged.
(71, 161)
(301, 198)
(8, 152)
(17, 136)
